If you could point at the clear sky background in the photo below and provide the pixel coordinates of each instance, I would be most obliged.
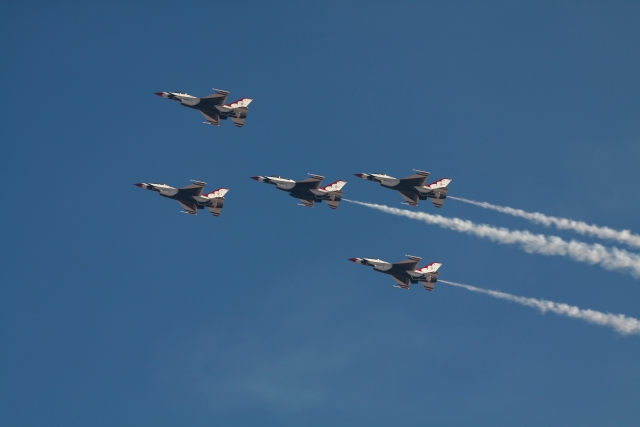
(116, 309)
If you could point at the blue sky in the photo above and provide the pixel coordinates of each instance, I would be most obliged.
(118, 310)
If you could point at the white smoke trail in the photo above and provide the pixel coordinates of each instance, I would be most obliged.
(623, 324)
(609, 258)
(622, 236)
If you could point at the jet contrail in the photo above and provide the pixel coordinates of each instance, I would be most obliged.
(621, 323)
(622, 236)
(609, 258)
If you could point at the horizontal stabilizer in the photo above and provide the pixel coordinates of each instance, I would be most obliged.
(306, 203)
(215, 211)
(437, 202)
(428, 286)
(238, 121)
(333, 204)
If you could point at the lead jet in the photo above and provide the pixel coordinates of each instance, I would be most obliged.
(412, 188)
(190, 197)
(404, 272)
(308, 190)
(213, 107)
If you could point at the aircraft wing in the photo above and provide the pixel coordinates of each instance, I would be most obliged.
(415, 180)
(408, 264)
(402, 283)
(194, 189)
(189, 207)
(217, 98)
(310, 183)
(410, 199)
(211, 117)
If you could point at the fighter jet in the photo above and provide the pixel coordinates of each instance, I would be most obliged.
(412, 188)
(212, 107)
(190, 197)
(308, 190)
(404, 272)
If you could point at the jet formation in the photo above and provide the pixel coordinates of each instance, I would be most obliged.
(213, 106)
(308, 191)
(404, 273)
(412, 188)
(190, 197)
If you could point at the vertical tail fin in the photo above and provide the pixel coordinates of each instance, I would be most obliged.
(437, 191)
(334, 186)
(428, 286)
(334, 193)
(441, 183)
(216, 194)
(429, 275)
(430, 268)
(240, 103)
(216, 207)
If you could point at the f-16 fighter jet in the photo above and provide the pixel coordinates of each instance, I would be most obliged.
(412, 188)
(404, 272)
(190, 197)
(213, 107)
(308, 190)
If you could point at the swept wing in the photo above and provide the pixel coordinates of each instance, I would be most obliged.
(194, 189)
(211, 117)
(415, 180)
(403, 283)
(189, 207)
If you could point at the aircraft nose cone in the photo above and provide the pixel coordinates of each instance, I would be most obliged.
(353, 259)
(158, 93)
(359, 175)
(257, 178)
(138, 185)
